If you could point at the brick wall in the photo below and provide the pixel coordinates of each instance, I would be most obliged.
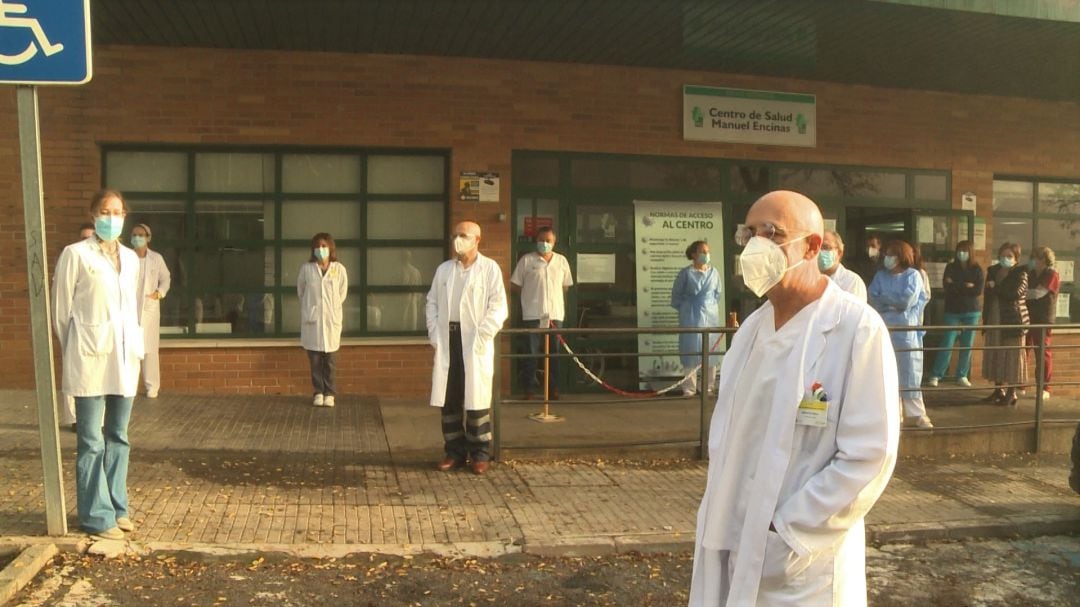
(481, 110)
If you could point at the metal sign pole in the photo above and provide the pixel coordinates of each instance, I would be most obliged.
(37, 274)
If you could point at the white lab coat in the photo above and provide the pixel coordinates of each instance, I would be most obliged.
(96, 320)
(483, 312)
(321, 300)
(814, 485)
(155, 277)
(849, 281)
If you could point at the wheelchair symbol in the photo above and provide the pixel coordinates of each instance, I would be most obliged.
(6, 20)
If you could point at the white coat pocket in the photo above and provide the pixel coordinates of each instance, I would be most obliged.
(781, 563)
(94, 339)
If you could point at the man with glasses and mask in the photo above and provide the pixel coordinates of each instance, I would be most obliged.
(804, 434)
(466, 308)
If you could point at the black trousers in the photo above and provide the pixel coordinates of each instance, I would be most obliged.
(323, 371)
(466, 434)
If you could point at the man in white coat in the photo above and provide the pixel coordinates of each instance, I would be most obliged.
(466, 308)
(154, 280)
(804, 434)
(829, 258)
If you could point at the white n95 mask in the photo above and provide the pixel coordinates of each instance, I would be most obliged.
(464, 244)
(763, 264)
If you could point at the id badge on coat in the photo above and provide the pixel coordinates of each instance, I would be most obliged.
(813, 408)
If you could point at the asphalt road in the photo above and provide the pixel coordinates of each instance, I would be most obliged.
(1035, 572)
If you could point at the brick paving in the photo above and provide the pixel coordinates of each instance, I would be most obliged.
(249, 470)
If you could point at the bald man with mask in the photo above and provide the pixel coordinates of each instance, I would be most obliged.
(466, 308)
(804, 434)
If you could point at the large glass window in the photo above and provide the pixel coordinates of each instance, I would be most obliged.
(235, 226)
(1035, 212)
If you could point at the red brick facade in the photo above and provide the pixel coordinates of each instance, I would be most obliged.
(481, 111)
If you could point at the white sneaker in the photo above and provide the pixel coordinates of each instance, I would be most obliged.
(124, 524)
(109, 534)
(318, 402)
(152, 394)
(923, 422)
(1046, 396)
(932, 382)
(328, 401)
(687, 392)
(965, 382)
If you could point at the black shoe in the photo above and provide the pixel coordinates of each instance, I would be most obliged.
(997, 396)
(1009, 400)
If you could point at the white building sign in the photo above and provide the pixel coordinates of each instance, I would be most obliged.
(747, 116)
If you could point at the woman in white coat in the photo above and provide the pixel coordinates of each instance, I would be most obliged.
(322, 284)
(154, 280)
(96, 321)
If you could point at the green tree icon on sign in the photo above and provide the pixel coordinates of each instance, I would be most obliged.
(698, 116)
(800, 123)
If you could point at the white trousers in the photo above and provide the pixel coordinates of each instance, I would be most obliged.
(913, 404)
(151, 369)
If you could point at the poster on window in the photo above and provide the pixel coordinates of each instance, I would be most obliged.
(662, 232)
(478, 187)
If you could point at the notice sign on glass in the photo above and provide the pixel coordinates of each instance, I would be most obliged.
(748, 116)
(479, 187)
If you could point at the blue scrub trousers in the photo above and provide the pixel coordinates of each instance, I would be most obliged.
(967, 339)
(101, 461)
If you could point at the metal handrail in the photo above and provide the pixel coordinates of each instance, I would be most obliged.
(712, 332)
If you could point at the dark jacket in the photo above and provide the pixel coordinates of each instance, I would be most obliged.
(960, 299)
(1010, 293)
(1044, 310)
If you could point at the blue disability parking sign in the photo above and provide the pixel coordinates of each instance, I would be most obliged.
(45, 41)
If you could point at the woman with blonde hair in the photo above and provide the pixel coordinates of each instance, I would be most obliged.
(1043, 285)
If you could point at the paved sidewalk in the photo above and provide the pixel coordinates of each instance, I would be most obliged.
(258, 471)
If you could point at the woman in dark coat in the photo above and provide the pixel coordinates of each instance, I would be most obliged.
(1004, 304)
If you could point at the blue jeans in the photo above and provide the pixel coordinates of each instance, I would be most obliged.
(967, 338)
(101, 461)
(536, 347)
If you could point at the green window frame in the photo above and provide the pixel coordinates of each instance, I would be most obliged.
(202, 220)
(1037, 223)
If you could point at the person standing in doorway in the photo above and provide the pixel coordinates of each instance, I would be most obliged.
(963, 283)
(465, 310)
(805, 430)
(541, 279)
(696, 295)
(868, 267)
(1043, 286)
(95, 316)
(832, 253)
(322, 285)
(153, 281)
(897, 293)
(67, 402)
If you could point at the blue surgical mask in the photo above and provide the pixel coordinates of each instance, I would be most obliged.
(1007, 262)
(544, 247)
(108, 227)
(138, 241)
(962, 256)
(321, 253)
(826, 259)
(890, 262)
(704, 259)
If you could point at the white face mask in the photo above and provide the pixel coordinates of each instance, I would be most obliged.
(763, 264)
(464, 244)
